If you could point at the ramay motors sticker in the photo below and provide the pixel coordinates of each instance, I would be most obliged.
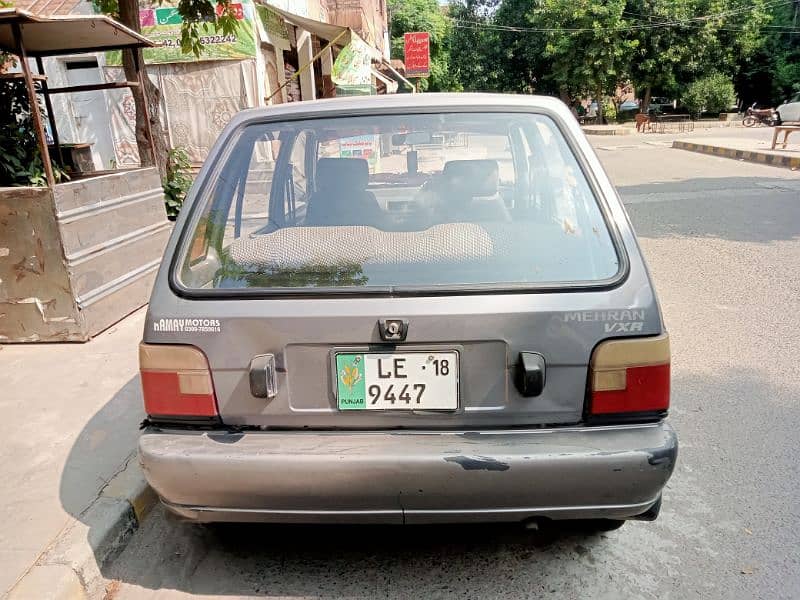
(187, 326)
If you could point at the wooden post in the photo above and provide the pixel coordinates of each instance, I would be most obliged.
(140, 75)
(305, 54)
(50, 114)
(38, 125)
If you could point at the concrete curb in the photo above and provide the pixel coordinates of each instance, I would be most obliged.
(588, 130)
(71, 566)
(756, 156)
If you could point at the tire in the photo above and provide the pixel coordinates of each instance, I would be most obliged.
(749, 121)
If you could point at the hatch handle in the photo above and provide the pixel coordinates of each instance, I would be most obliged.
(263, 378)
(530, 375)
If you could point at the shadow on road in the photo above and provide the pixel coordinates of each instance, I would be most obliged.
(101, 450)
(351, 561)
(727, 479)
(103, 445)
(166, 553)
(751, 209)
(729, 470)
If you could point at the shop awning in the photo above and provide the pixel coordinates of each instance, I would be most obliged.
(326, 31)
(45, 36)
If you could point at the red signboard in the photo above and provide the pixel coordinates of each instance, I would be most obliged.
(417, 54)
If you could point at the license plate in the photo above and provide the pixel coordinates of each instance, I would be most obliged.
(397, 381)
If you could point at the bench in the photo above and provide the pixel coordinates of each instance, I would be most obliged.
(786, 130)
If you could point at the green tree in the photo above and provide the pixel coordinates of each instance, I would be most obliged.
(588, 44)
(521, 51)
(585, 47)
(425, 15)
(713, 93)
(473, 61)
(489, 51)
(772, 73)
(661, 50)
(681, 41)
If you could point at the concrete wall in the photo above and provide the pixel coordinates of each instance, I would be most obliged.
(77, 258)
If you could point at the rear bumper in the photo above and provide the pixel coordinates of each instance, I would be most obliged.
(410, 477)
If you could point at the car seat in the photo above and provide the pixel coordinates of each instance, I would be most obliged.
(469, 191)
(341, 196)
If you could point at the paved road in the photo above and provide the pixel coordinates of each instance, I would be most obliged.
(723, 241)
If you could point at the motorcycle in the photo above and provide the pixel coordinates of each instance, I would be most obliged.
(761, 116)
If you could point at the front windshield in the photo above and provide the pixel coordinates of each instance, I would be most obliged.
(399, 201)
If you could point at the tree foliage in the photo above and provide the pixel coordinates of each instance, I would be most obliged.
(713, 93)
(587, 47)
(772, 73)
(177, 182)
(20, 160)
(473, 46)
(587, 43)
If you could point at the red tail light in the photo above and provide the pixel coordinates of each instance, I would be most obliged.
(630, 376)
(176, 381)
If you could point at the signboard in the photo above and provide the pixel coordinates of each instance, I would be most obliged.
(417, 54)
(162, 24)
(353, 66)
(352, 69)
(272, 22)
(362, 146)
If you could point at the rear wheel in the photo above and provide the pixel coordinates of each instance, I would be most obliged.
(750, 121)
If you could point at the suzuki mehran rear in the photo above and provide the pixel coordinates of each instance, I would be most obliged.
(405, 309)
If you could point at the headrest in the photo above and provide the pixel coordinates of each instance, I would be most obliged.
(338, 173)
(478, 177)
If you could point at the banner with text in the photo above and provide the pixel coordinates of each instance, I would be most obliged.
(417, 54)
(162, 24)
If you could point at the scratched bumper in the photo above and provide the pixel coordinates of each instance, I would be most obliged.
(412, 477)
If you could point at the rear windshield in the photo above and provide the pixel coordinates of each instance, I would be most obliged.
(398, 202)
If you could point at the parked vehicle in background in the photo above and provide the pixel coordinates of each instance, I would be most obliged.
(629, 108)
(660, 105)
(761, 116)
(461, 328)
(789, 111)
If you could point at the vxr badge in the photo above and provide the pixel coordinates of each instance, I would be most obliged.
(393, 330)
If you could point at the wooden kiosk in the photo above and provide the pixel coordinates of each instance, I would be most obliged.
(77, 256)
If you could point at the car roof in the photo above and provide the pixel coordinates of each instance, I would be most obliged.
(398, 103)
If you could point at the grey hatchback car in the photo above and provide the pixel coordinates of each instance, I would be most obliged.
(405, 309)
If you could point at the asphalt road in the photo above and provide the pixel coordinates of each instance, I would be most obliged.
(723, 241)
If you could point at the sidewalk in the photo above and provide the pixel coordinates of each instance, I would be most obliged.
(751, 150)
(71, 415)
(629, 128)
